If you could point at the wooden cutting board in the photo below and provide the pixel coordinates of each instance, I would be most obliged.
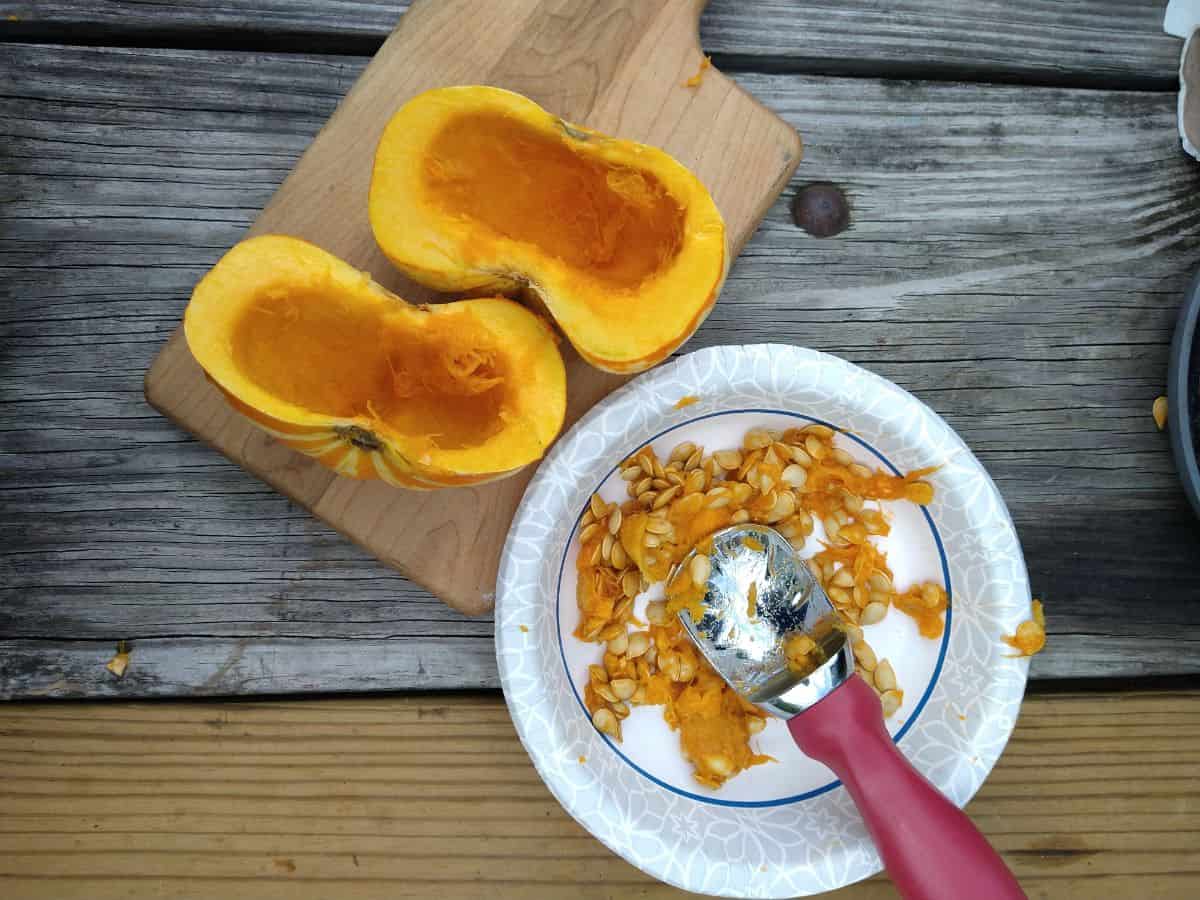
(616, 65)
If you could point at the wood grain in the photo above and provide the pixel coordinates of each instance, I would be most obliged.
(1016, 259)
(1101, 43)
(1095, 796)
(617, 67)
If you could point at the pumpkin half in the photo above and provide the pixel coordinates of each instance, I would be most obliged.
(480, 189)
(336, 366)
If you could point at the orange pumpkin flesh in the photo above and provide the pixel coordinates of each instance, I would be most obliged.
(334, 365)
(618, 224)
(357, 366)
(480, 189)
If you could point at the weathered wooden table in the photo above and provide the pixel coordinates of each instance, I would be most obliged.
(1024, 224)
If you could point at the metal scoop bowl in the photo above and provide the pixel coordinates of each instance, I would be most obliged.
(930, 848)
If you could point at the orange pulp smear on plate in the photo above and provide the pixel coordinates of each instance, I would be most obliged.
(617, 224)
(1031, 635)
(788, 480)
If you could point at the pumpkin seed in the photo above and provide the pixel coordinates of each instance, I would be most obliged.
(658, 526)
(624, 688)
(822, 431)
(606, 546)
(614, 521)
(619, 644)
(865, 656)
(682, 451)
(880, 582)
(891, 701)
(794, 476)
(841, 457)
(700, 568)
(642, 486)
(728, 459)
(638, 643)
(873, 613)
(815, 448)
(631, 583)
(631, 473)
(665, 497)
(656, 613)
(589, 532)
(619, 558)
(597, 674)
(599, 507)
(651, 540)
(693, 459)
(647, 498)
(885, 676)
(605, 721)
(844, 578)
(740, 517)
(605, 691)
(620, 710)
(756, 439)
(785, 505)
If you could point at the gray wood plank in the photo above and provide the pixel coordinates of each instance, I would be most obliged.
(1016, 259)
(1106, 43)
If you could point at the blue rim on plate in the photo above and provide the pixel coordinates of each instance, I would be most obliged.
(913, 716)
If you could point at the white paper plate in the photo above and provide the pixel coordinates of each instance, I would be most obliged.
(788, 828)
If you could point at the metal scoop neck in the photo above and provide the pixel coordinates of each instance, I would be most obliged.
(745, 645)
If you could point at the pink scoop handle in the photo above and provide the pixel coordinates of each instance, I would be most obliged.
(930, 848)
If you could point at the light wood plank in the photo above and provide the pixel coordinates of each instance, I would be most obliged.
(1016, 259)
(1106, 43)
(1096, 795)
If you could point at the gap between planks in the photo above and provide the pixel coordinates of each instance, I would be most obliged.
(1105, 44)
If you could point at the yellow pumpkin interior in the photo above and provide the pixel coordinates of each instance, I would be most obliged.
(617, 222)
(446, 380)
(477, 189)
(317, 352)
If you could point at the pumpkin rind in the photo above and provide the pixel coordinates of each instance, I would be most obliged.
(480, 189)
(500, 423)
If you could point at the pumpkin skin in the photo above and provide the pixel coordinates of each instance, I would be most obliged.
(334, 365)
(478, 189)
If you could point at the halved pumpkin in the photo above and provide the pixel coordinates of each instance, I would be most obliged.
(480, 189)
(334, 365)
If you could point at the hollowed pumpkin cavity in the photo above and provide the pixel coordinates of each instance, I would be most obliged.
(477, 188)
(613, 221)
(446, 380)
(340, 368)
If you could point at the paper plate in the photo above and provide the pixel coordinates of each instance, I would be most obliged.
(787, 828)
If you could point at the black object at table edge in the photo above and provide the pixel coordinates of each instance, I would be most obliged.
(1182, 399)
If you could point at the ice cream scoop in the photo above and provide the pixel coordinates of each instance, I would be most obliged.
(931, 849)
